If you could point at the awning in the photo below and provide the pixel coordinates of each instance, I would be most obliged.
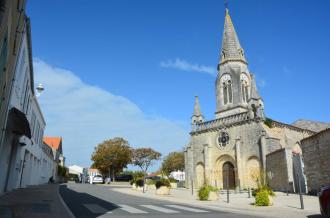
(18, 123)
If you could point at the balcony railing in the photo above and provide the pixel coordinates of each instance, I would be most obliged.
(218, 123)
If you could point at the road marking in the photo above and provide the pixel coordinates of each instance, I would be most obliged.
(161, 209)
(94, 208)
(131, 209)
(186, 208)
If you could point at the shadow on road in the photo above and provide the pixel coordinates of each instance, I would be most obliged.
(316, 216)
(78, 203)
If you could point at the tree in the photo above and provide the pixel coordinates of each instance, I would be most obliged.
(111, 156)
(143, 158)
(172, 162)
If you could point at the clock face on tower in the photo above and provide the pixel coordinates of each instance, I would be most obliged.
(225, 77)
(223, 139)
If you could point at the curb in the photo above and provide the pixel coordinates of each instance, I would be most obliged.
(64, 204)
(242, 211)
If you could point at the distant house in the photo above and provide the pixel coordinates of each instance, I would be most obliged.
(55, 143)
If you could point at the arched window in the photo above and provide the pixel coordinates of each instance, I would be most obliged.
(227, 89)
(244, 88)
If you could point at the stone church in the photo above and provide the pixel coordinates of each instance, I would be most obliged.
(240, 143)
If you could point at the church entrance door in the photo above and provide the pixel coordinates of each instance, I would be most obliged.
(228, 175)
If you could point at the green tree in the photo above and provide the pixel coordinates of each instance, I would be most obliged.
(143, 158)
(111, 156)
(172, 162)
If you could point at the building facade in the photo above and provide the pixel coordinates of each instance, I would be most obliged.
(12, 24)
(55, 143)
(316, 153)
(23, 159)
(232, 150)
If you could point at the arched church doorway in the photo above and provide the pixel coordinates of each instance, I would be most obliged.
(228, 175)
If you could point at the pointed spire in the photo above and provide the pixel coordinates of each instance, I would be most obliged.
(197, 110)
(254, 92)
(231, 48)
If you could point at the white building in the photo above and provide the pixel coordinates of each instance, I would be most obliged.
(178, 175)
(23, 159)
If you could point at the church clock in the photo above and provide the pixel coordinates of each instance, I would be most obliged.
(223, 139)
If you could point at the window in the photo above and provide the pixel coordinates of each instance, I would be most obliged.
(33, 121)
(244, 87)
(3, 59)
(36, 136)
(227, 89)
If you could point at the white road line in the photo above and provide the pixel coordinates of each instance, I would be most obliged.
(160, 209)
(130, 209)
(94, 208)
(186, 208)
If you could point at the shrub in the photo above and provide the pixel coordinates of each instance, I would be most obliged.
(137, 175)
(172, 180)
(262, 198)
(150, 182)
(132, 182)
(203, 192)
(163, 182)
(139, 182)
(265, 188)
(269, 122)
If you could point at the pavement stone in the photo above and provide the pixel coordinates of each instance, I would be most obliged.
(284, 206)
(34, 201)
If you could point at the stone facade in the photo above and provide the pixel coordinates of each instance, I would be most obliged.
(316, 153)
(232, 150)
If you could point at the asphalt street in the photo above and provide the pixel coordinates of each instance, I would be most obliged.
(86, 200)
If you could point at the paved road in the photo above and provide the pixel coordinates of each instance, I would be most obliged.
(85, 200)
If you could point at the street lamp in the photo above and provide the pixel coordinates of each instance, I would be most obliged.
(40, 88)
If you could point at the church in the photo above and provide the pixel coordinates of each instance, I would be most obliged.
(240, 143)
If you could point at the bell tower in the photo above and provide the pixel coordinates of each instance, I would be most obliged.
(235, 87)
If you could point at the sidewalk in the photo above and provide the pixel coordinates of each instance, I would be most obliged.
(284, 206)
(35, 201)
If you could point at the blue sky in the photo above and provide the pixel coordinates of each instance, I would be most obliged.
(157, 55)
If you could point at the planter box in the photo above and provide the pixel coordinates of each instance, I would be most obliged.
(163, 190)
(213, 196)
(174, 185)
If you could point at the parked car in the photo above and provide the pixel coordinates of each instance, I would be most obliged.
(124, 178)
(154, 178)
(96, 179)
(324, 198)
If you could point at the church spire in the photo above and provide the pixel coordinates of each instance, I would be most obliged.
(197, 117)
(197, 109)
(231, 48)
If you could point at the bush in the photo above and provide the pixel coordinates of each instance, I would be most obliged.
(139, 182)
(163, 182)
(203, 193)
(265, 188)
(262, 198)
(150, 182)
(172, 180)
(269, 122)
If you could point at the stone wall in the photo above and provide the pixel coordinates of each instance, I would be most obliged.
(277, 169)
(316, 153)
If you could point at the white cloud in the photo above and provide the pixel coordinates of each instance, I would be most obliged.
(262, 83)
(186, 66)
(85, 115)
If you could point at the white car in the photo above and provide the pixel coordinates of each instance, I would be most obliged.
(96, 179)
